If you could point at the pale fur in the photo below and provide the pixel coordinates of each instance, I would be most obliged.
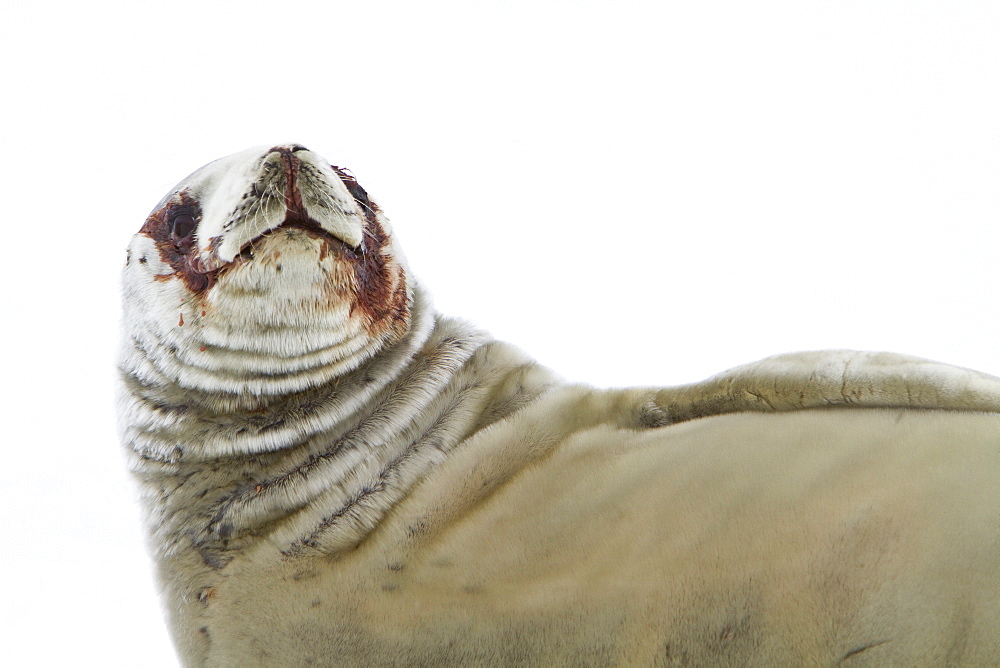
(323, 489)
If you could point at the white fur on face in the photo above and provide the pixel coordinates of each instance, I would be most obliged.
(285, 281)
(242, 196)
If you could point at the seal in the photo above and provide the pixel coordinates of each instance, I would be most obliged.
(334, 474)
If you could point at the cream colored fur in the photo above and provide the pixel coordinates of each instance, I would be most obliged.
(332, 482)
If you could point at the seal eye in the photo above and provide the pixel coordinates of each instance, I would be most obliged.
(182, 227)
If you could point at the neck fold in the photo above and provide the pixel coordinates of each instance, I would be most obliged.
(318, 468)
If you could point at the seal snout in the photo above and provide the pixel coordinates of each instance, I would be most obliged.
(317, 197)
(291, 166)
(249, 195)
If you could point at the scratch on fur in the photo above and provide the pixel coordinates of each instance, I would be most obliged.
(844, 379)
(859, 650)
(762, 398)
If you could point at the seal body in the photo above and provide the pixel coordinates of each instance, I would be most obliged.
(334, 474)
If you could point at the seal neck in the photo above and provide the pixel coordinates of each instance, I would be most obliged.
(318, 469)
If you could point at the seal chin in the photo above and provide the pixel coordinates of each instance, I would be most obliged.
(293, 266)
(211, 261)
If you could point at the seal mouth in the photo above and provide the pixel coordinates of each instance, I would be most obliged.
(307, 225)
(205, 270)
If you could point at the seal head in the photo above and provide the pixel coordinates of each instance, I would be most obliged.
(265, 272)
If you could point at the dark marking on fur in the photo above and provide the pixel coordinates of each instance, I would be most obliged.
(673, 656)
(382, 296)
(176, 250)
(381, 283)
(415, 529)
(273, 425)
(652, 416)
(216, 559)
(359, 194)
(292, 166)
(858, 650)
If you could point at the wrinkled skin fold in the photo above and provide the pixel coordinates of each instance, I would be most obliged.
(333, 473)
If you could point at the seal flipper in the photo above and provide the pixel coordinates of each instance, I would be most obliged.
(825, 379)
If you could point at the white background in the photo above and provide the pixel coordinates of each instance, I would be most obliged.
(634, 192)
